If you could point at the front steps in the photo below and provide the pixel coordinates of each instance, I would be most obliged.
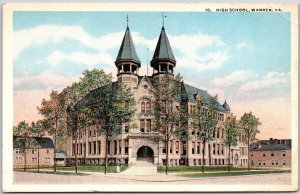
(141, 167)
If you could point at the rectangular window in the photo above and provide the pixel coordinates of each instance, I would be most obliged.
(126, 146)
(216, 162)
(222, 149)
(73, 149)
(272, 153)
(94, 146)
(109, 147)
(47, 151)
(142, 126)
(283, 153)
(126, 127)
(193, 147)
(99, 147)
(90, 148)
(177, 147)
(171, 146)
(120, 146)
(198, 147)
(184, 148)
(283, 162)
(148, 125)
(116, 147)
(80, 152)
(214, 148)
(218, 149)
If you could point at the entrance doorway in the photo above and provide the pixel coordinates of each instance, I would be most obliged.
(145, 153)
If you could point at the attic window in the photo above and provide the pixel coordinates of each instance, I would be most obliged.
(145, 86)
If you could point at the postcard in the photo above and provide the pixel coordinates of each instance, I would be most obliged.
(150, 97)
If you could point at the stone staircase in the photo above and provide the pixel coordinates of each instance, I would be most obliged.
(141, 167)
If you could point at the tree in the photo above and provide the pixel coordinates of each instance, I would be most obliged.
(110, 106)
(204, 120)
(249, 123)
(231, 134)
(23, 140)
(53, 111)
(167, 109)
(73, 94)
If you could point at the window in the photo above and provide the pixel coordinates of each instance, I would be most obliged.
(216, 162)
(193, 147)
(47, 151)
(126, 126)
(163, 67)
(283, 162)
(148, 107)
(264, 163)
(198, 147)
(34, 160)
(272, 153)
(126, 68)
(120, 146)
(276, 162)
(142, 126)
(99, 147)
(18, 159)
(33, 151)
(218, 151)
(264, 155)
(214, 148)
(272, 162)
(116, 147)
(126, 146)
(143, 106)
(259, 163)
(148, 125)
(222, 149)
(90, 148)
(184, 148)
(47, 160)
(283, 153)
(218, 135)
(177, 147)
(73, 149)
(171, 147)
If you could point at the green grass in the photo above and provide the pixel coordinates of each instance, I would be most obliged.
(236, 173)
(50, 171)
(110, 169)
(199, 168)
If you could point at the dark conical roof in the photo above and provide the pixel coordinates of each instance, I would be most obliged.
(163, 49)
(127, 50)
(226, 106)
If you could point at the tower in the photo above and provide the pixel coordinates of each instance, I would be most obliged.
(128, 62)
(163, 61)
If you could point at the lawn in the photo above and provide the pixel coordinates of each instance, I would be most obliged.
(199, 168)
(234, 173)
(70, 169)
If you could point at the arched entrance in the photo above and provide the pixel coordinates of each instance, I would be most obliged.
(145, 153)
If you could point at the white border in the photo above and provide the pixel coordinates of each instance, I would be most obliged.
(130, 6)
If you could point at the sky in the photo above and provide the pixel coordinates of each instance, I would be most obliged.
(243, 57)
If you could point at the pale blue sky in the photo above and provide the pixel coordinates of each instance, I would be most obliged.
(254, 43)
(243, 57)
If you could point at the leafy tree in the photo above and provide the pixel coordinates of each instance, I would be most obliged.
(231, 134)
(73, 94)
(112, 106)
(23, 139)
(204, 120)
(167, 109)
(249, 123)
(53, 111)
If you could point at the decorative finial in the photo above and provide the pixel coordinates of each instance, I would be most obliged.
(163, 19)
(127, 20)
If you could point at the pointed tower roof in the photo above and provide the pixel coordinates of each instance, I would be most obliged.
(127, 49)
(163, 49)
(226, 106)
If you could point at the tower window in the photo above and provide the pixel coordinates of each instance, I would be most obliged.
(143, 107)
(148, 107)
(126, 67)
(134, 69)
(171, 68)
(163, 67)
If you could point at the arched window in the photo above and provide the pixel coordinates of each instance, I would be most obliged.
(143, 107)
(148, 107)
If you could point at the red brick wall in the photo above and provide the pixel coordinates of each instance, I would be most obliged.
(258, 159)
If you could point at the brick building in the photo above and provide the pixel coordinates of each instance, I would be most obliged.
(41, 153)
(271, 153)
(136, 143)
